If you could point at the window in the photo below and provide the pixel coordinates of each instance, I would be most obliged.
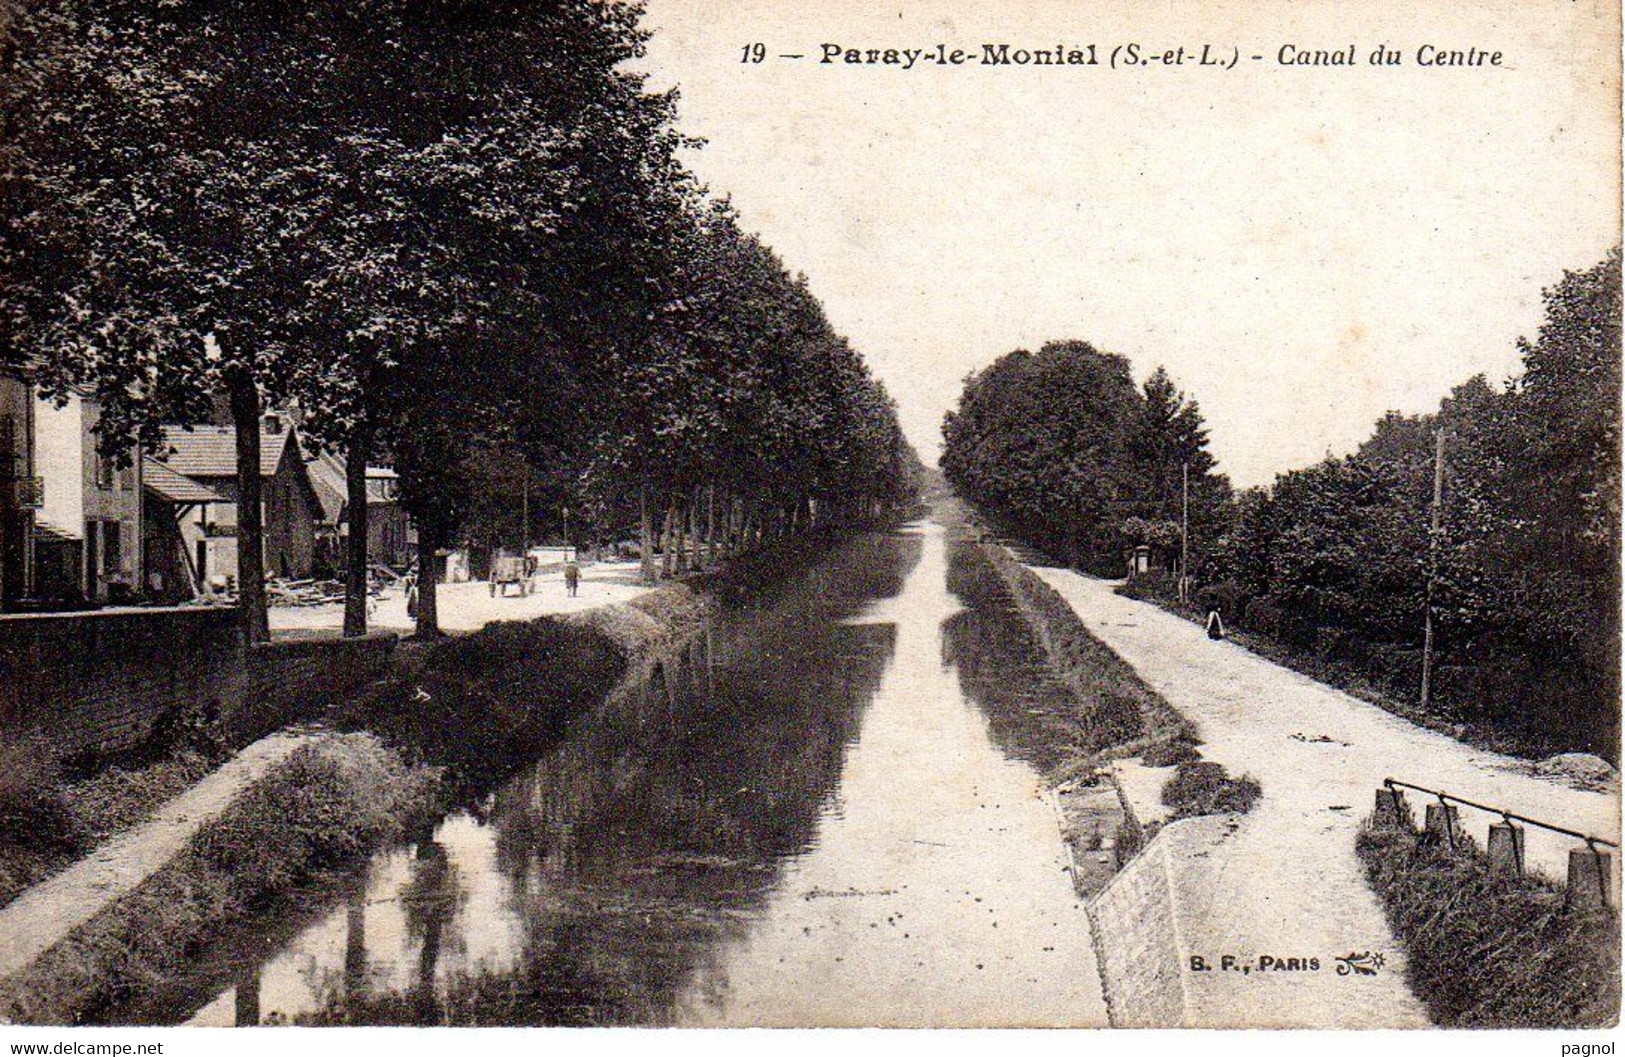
(103, 472)
(112, 548)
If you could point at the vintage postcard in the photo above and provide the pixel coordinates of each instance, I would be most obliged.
(750, 513)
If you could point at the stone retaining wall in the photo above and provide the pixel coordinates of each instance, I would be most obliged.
(95, 684)
(1139, 921)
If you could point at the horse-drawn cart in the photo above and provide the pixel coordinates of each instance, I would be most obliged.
(507, 570)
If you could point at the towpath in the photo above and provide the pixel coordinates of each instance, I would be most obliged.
(1286, 881)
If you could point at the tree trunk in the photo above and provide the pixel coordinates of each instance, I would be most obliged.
(245, 418)
(695, 539)
(680, 537)
(665, 540)
(645, 535)
(428, 610)
(355, 486)
(711, 525)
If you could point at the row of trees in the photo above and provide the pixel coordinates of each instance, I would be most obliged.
(1066, 451)
(455, 233)
(1340, 560)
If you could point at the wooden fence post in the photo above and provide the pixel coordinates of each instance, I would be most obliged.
(1391, 811)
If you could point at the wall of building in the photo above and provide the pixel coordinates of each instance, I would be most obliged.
(112, 511)
(59, 454)
(288, 517)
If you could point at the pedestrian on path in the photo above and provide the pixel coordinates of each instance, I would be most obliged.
(572, 576)
(1215, 624)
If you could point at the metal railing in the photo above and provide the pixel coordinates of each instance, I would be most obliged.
(1509, 816)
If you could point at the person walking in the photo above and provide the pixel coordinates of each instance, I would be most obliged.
(572, 576)
(1215, 624)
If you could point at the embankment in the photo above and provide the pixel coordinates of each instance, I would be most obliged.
(1136, 847)
(1488, 947)
(323, 807)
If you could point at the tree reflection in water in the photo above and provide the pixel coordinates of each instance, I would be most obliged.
(646, 839)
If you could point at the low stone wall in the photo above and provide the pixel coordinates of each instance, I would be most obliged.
(96, 683)
(1138, 924)
(292, 682)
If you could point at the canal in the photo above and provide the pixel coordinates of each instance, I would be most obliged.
(806, 818)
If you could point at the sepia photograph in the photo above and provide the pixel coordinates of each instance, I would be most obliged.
(941, 514)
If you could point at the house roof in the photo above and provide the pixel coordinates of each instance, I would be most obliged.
(327, 478)
(163, 482)
(211, 451)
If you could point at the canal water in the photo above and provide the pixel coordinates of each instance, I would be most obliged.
(804, 819)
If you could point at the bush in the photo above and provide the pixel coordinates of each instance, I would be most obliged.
(1200, 787)
(1487, 950)
(1226, 596)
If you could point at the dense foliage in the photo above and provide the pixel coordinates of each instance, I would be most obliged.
(456, 232)
(1063, 449)
(1333, 561)
(1335, 558)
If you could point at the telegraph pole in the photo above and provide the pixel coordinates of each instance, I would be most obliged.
(1184, 527)
(1433, 566)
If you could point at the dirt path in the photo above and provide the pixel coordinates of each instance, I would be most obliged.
(1287, 882)
(42, 916)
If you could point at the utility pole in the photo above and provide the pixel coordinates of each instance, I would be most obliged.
(1433, 566)
(1184, 527)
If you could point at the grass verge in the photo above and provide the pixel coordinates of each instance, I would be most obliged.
(1131, 717)
(1487, 950)
(321, 809)
(51, 815)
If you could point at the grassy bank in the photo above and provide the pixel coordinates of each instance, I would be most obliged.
(1114, 712)
(321, 809)
(1487, 950)
(54, 812)
(483, 705)
(479, 706)
(1081, 706)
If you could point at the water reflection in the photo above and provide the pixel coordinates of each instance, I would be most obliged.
(1004, 668)
(801, 818)
(603, 877)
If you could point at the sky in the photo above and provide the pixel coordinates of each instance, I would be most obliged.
(1303, 248)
